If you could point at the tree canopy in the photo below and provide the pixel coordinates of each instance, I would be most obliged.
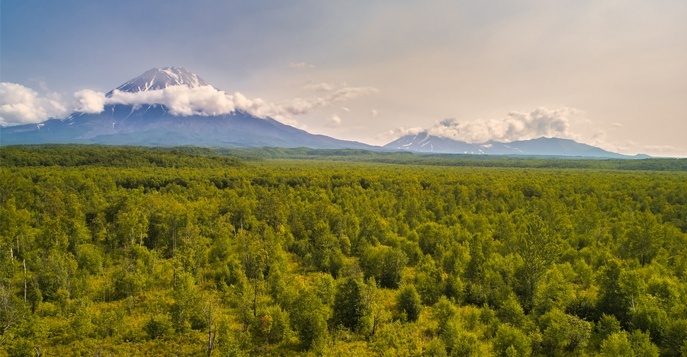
(192, 251)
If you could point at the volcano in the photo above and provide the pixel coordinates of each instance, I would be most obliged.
(424, 142)
(151, 122)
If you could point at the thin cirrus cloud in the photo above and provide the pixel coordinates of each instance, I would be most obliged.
(300, 65)
(22, 105)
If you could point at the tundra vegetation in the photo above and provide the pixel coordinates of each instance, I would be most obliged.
(110, 251)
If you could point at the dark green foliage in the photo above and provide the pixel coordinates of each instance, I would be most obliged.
(158, 327)
(309, 320)
(676, 338)
(349, 303)
(607, 326)
(385, 264)
(642, 345)
(408, 303)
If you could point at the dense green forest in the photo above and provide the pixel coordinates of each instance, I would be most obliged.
(108, 251)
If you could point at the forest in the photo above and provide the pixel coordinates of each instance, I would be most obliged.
(129, 251)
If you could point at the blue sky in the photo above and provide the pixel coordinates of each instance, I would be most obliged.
(609, 73)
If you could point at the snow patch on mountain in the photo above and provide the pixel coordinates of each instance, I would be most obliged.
(161, 78)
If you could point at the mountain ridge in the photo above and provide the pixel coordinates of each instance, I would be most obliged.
(423, 142)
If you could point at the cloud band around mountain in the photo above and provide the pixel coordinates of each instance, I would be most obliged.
(22, 105)
(208, 101)
(515, 126)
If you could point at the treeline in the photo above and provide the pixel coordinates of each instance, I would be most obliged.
(285, 257)
(113, 156)
(102, 155)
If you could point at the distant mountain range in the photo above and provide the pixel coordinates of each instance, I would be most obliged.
(154, 125)
(426, 143)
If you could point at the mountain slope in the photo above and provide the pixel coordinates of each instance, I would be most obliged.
(160, 78)
(426, 143)
(153, 125)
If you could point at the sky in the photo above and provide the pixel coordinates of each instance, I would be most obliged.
(610, 73)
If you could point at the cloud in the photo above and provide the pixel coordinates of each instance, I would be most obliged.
(333, 122)
(22, 105)
(374, 113)
(180, 100)
(300, 65)
(89, 101)
(347, 93)
(300, 106)
(319, 87)
(345, 109)
(394, 134)
(515, 126)
(207, 101)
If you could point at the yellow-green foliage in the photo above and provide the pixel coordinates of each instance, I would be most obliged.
(132, 251)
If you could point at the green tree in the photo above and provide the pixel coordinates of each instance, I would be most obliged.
(158, 327)
(186, 311)
(539, 247)
(563, 333)
(617, 345)
(429, 280)
(641, 344)
(385, 264)
(408, 303)
(511, 341)
(271, 325)
(644, 238)
(349, 303)
(309, 319)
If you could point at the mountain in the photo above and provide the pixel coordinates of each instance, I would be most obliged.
(154, 125)
(426, 143)
(160, 78)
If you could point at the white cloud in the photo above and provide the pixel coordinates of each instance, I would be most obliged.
(374, 113)
(516, 126)
(89, 101)
(180, 100)
(345, 109)
(22, 105)
(333, 122)
(208, 101)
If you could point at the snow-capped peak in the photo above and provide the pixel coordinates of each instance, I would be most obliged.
(160, 78)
